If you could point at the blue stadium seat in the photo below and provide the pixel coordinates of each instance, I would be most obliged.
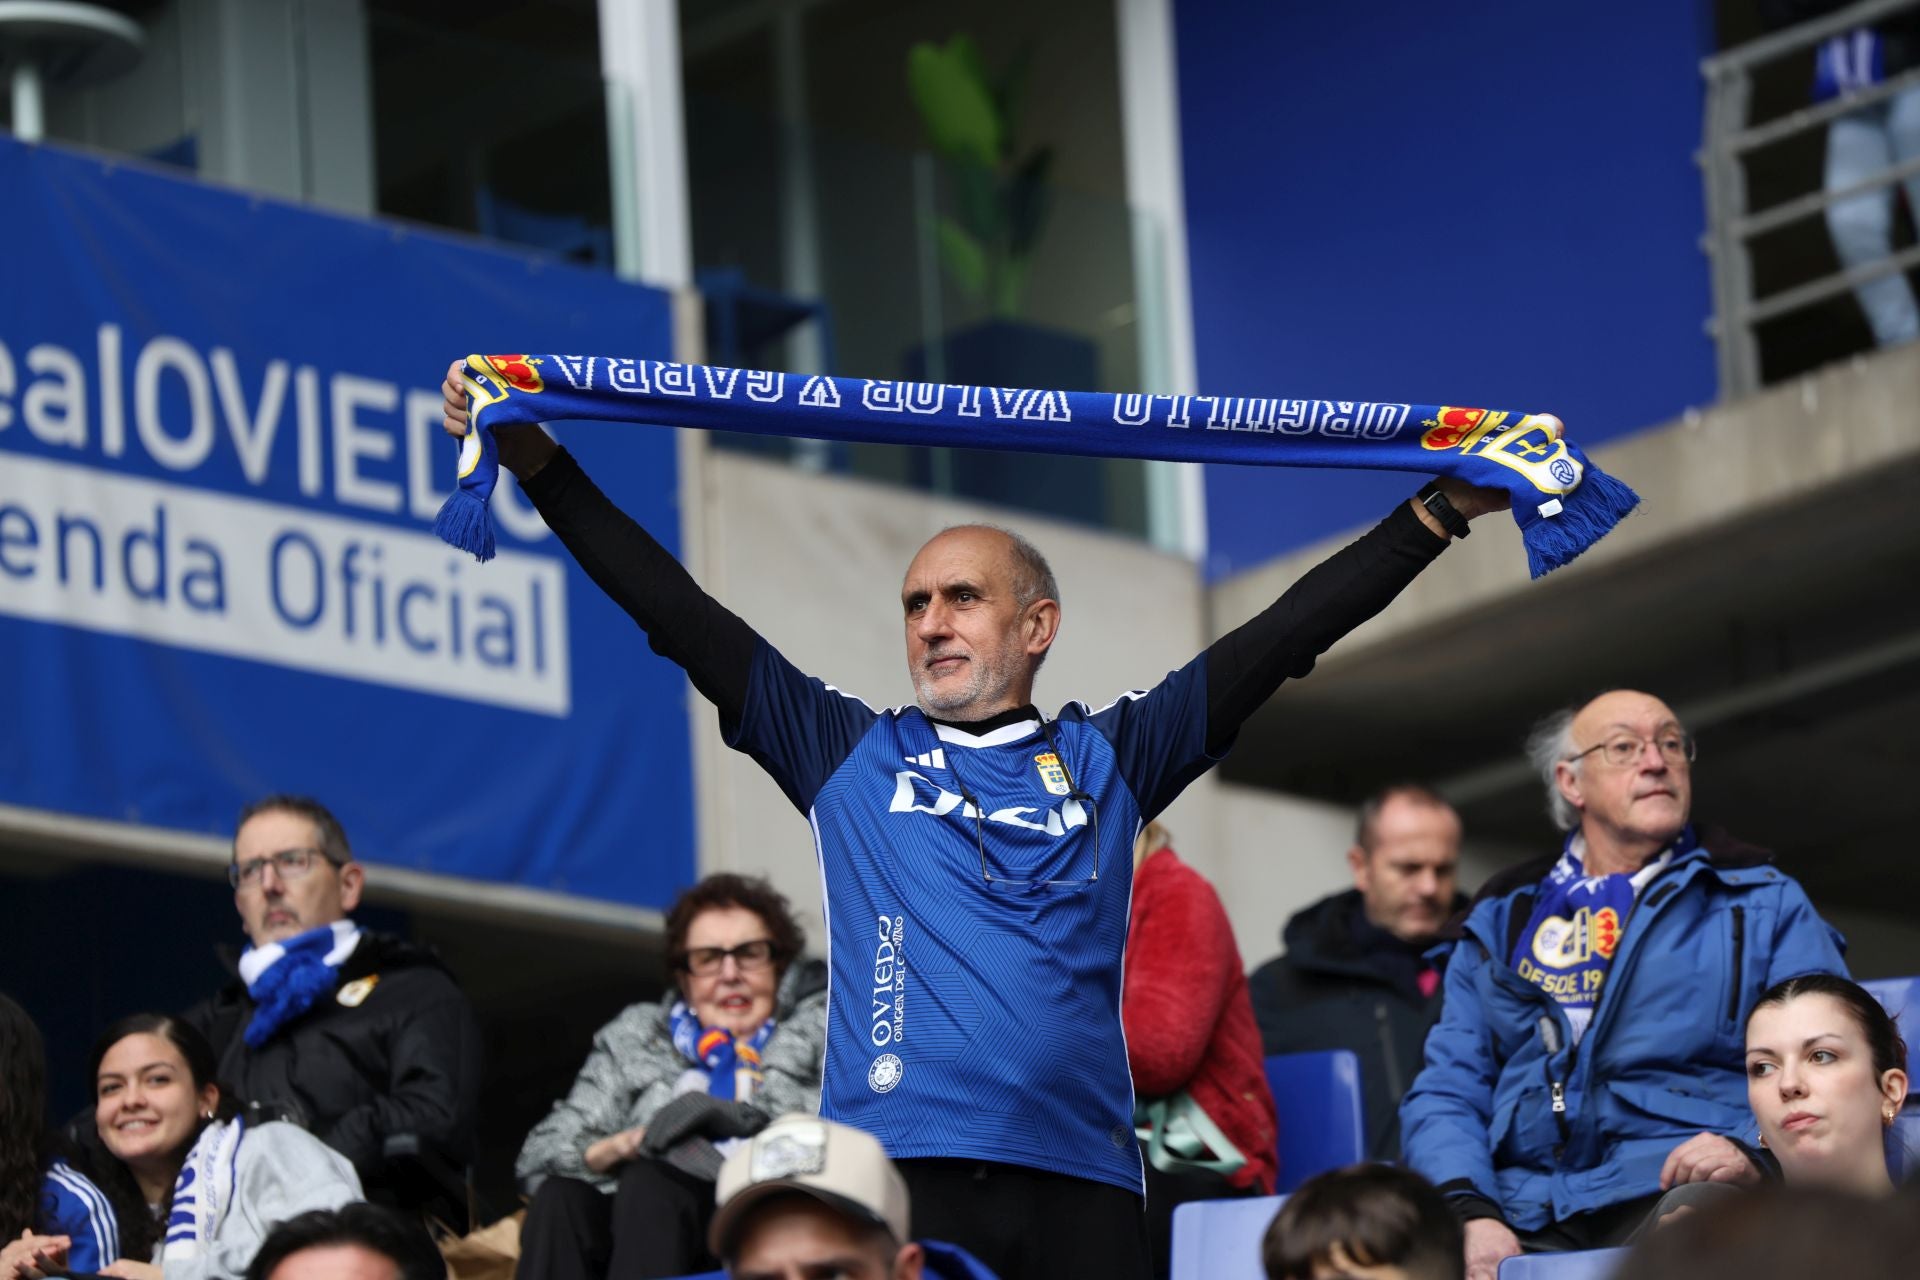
(1903, 1147)
(1901, 998)
(1322, 1124)
(1220, 1239)
(1594, 1264)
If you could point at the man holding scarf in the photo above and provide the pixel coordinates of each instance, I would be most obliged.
(976, 854)
(1590, 1050)
(359, 1035)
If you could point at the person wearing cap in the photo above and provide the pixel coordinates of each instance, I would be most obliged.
(808, 1197)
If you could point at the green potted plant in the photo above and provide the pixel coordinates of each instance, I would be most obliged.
(999, 193)
(1000, 201)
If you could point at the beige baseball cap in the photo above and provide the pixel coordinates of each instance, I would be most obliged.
(843, 1167)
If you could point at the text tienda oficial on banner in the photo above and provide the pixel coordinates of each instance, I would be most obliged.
(180, 497)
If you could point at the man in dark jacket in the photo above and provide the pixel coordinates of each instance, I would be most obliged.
(359, 1036)
(1353, 976)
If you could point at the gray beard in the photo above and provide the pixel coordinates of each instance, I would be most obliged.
(984, 685)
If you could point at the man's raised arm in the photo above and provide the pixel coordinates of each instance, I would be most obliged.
(683, 623)
(1283, 641)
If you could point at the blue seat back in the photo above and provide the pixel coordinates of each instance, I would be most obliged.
(1593, 1264)
(1903, 1147)
(1901, 998)
(1220, 1239)
(1322, 1121)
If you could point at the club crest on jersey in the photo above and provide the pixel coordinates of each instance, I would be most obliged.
(885, 1073)
(1052, 775)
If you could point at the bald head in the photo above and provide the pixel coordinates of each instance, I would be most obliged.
(1624, 767)
(981, 611)
(1032, 576)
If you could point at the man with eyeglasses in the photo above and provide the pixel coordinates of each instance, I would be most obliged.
(1589, 1054)
(359, 1035)
(975, 853)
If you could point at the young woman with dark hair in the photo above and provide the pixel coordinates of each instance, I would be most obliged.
(1826, 1077)
(196, 1189)
(50, 1215)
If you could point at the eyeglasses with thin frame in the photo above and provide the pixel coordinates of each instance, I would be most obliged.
(704, 961)
(1074, 793)
(288, 864)
(1675, 746)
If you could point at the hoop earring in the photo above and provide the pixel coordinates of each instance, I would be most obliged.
(1763, 1142)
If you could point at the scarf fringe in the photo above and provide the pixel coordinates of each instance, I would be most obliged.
(1586, 515)
(464, 523)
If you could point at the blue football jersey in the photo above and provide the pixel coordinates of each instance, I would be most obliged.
(71, 1205)
(977, 893)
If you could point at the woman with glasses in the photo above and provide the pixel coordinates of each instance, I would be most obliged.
(622, 1169)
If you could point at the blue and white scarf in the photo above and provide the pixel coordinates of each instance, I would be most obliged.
(732, 1065)
(1568, 946)
(1562, 502)
(203, 1192)
(285, 979)
(1849, 63)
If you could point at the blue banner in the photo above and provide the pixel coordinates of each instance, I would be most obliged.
(220, 459)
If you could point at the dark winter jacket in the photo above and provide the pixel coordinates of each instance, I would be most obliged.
(395, 1050)
(1329, 991)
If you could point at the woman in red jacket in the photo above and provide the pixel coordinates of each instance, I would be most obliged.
(1190, 1029)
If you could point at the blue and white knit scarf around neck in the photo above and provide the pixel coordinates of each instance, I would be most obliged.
(1562, 502)
(1568, 946)
(203, 1193)
(285, 979)
(732, 1064)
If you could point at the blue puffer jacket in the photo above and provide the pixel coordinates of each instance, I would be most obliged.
(1508, 1111)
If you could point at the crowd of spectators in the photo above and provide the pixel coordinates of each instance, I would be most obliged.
(1640, 1030)
(1647, 1010)
(1628, 1030)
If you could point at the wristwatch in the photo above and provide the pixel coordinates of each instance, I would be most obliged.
(1445, 512)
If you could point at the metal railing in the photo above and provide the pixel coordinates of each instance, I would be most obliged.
(1732, 226)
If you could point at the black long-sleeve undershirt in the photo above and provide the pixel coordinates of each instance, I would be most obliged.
(715, 646)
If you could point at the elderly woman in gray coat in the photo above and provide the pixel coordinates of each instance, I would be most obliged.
(622, 1170)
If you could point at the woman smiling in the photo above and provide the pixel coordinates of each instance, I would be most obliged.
(195, 1188)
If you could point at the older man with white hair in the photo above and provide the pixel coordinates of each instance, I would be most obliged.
(1589, 1052)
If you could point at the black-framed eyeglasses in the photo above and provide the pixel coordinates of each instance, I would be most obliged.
(1073, 796)
(1623, 749)
(704, 961)
(288, 864)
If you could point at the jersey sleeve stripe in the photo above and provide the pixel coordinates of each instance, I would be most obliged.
(99, 1210)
